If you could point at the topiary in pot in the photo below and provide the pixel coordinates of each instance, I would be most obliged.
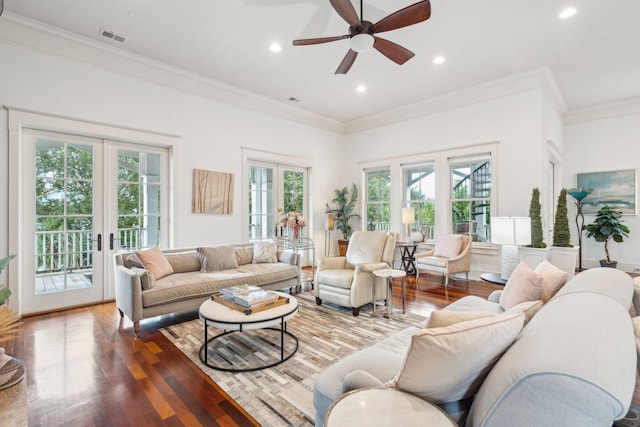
(345, 200)
(607, 225)
(536, 220)
(561, 234)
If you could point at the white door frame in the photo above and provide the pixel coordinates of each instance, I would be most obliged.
(18, 121)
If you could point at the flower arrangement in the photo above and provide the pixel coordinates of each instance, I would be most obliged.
(295, 221)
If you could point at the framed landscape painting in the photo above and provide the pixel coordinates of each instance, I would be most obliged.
(617, 189)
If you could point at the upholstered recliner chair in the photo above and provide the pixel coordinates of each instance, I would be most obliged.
(348, 281)
(452, 254)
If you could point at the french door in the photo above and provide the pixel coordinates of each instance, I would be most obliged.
(86, 198)
(274, 190)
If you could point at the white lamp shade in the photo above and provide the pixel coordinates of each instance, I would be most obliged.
(512, 230)
(408, 215)
(330, 222)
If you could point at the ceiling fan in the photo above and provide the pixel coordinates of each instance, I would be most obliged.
(362, 32)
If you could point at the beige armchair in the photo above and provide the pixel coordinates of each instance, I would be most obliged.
(347, 281)
(452, 254)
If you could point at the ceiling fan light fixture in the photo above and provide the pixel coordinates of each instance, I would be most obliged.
(361, 42)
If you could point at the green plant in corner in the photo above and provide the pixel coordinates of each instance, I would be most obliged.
(536, 220)
(561, 234)
(607, 225)
(345, 199)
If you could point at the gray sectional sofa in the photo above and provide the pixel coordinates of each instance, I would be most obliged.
(573, 363)
(188, 286)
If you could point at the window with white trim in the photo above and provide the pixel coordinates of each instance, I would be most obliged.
(378, 201)
(471, 196)
(420, 194)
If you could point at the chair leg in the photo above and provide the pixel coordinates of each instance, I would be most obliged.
(446, 281)
(355, 311)
(318, 301)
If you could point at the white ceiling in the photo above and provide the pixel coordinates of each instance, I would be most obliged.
(594, 56)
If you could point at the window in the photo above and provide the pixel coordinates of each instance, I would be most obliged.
(378, 199)
(471, 197)
(419, 193)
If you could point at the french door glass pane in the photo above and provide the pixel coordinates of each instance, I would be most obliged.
(64, 216)
(261, 203)
(139, 204)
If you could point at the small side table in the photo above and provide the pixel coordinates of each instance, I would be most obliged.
(384, 407)
(390, 273)
(408, 255)
(494, 278)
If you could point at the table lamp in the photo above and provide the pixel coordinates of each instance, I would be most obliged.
(408, 218)
(510, 232)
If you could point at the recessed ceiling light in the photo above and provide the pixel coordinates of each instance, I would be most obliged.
(567, 13)
(439, 59)
(361, 88)
(275, 47)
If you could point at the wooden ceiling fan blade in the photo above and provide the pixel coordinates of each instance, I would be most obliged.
(410, 15)
(305, 42)
(346, 10)
(393, 51)
(347, 62)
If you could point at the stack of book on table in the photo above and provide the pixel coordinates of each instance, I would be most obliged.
(247, 295)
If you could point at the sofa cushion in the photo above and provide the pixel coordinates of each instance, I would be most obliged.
(155, 261)
(265, 252)
(440, 318)
(244, 254)
(182, 286)
(524, 284)
(448, 246)
(529, 308)
(183, 262)
(131, 260)
(474, 303)
(217, 258)
(449, 364)
(552, 279)
(146, 278)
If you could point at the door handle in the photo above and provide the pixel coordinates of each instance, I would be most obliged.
(111, 240)
(99, 242)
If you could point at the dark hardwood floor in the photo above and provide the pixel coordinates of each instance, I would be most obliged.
(85, 368)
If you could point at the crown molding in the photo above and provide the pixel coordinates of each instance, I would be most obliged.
(23, 32)
(625, 107)
(538, 78)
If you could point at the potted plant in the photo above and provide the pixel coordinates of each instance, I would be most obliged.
(607, 225)
(537, 251)
(563, 254)
(345, 199)
(11, 369)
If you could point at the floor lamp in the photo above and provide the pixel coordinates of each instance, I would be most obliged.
(579, 194)
(510, 232)
(327, 234)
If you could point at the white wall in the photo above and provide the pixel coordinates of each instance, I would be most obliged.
(211, 133)
(604, 145)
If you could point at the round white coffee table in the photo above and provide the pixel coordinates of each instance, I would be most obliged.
(220, 316)
(390, 273)
(384, 407)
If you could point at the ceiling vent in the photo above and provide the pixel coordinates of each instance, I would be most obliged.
(111, 35)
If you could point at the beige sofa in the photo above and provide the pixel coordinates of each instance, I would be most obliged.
(140, 296)
(573, 364)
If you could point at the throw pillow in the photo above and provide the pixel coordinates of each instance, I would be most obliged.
(524, 284)
(449, 364)
(154, 260)
(265, 252)
(131, 260)
(184, 262)
(217, 258)
(441, 318)
(448, 246)
(244, 255)
(552, 279)
(146, 278)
